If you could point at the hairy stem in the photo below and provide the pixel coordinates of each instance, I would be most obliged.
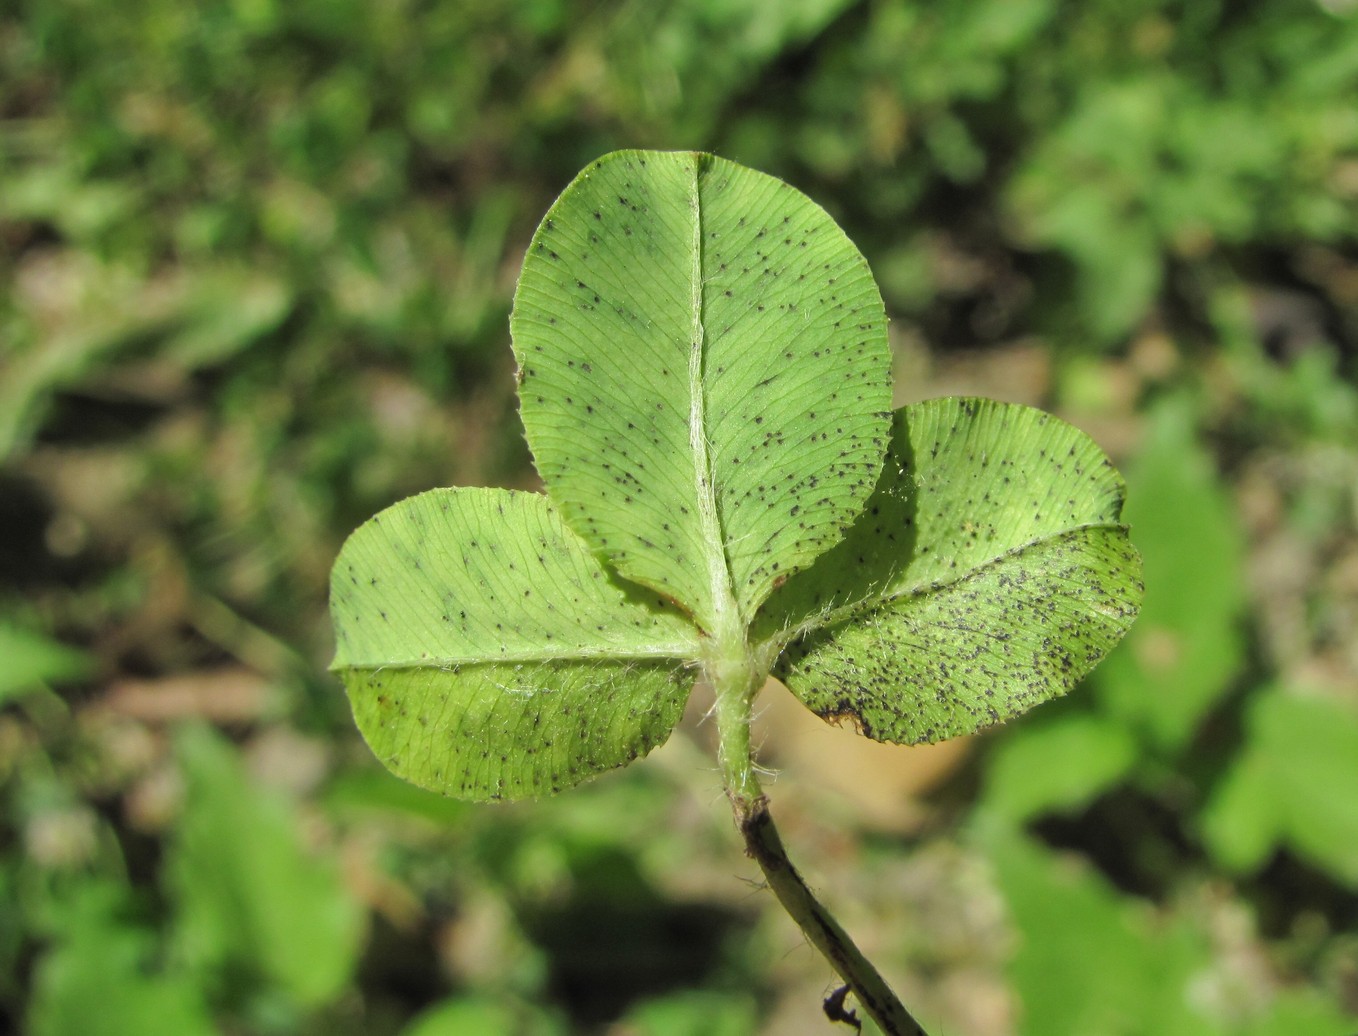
(736, 680)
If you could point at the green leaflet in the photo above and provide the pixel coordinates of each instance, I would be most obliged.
(701, 348)
(487, 654)
(987, 573)
(516, 731)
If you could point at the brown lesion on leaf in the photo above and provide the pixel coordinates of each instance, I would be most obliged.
(842, 712)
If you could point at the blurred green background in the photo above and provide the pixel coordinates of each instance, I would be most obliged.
(256, 259)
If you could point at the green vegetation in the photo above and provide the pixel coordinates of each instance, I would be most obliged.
(258, 262)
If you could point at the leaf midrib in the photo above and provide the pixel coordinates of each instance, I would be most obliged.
(848, 612)
(725, 619)
(678, 652)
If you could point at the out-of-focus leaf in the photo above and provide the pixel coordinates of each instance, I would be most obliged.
(1303, 1013)
(225, 312)
(1185, 648)
(55, 191)
(29, 660)
(684, 61)
(463, 1016)
(100, 979)
(1058, 765)
(694, 1014)
(380, 791)
(1084, 192)
(250, 896)
(1292, 785)
(1088, 960)
(104, 311)
(193, 319)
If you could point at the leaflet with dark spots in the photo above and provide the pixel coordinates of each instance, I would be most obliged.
(954, 601)
(715, 345)
(498, 619)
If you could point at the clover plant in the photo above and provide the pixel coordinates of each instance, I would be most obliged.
(704, 381)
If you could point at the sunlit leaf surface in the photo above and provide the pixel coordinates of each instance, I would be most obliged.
(988, 573)
(489, 655)
(702, 352)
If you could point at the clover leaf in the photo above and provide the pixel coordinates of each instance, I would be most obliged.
(704, 381)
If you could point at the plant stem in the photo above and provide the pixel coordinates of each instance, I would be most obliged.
(763, 843)
(735, 683)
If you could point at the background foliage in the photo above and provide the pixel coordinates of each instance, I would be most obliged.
(256, 262)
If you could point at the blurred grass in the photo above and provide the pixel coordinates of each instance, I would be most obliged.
(255, 268)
